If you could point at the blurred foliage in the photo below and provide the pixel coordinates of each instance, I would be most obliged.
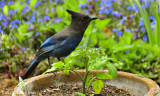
(120, 32)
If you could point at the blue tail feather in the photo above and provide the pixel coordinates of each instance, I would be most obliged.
(31, 68)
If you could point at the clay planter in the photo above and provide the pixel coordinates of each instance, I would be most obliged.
(134, 84)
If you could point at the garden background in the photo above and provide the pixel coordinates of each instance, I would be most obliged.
(128, 31)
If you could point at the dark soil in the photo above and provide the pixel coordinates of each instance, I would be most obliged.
(69, 90)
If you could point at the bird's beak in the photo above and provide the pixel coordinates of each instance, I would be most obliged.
(93, 18)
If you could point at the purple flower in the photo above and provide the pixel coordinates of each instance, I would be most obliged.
(29, 27)
(52, 9)
(144, 38)
(114, 30)
(82, 5)
(1, 31)
(143, 29)
(46, 17)
(119, 33)
(21, 3)
(128, 30)
(15, 21)
(89, 6)
(13, 25)
(37, 33)
(2, 3)
(129, 8)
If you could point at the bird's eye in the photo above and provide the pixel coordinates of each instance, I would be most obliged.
(82, 19)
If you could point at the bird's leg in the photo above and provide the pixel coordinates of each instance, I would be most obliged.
(49, 63)
(58, 58)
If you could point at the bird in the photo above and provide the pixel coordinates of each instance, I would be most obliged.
(62, 43)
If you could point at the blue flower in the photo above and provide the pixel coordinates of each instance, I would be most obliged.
(56, 1)
(29, 27)
(2, 3)
(119, 33)
(2, 16)
(135, 35)
(57, 20)
(23, 49)
(52, 9)
(21, 3)
(152, 18)
(13, 25)
(89, 6)
(1, 50)
(1, 31)
(114, 30)
(82, 5)
(37, 33)
(129, 8)
(5, 23)
(28, 2)
(26, 8)
(37, 3)
(38, 19)
(15, 21)
(108, 4)
(144, 38)
(109, 11)
(124, 17)
(122, 21)
(153, 22)
(126, 51)
(87, 11)
(10, 2)
(141, 22)
(11, 12)
(33, 18)
(128, 30)
(137, 29)
(143, 29)
(131, 16)
(117, 14)
(46, 17)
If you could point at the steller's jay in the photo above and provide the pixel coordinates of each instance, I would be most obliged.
(62, 43)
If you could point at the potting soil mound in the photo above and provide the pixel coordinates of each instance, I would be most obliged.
(70, 90)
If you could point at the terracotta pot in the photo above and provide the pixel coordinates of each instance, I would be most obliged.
(136, 85)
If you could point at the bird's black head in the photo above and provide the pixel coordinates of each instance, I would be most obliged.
(79, 19)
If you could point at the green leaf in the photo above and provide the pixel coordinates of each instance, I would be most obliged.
(32, 3)
(88, 79)
(23, 28)
(22, 84)
(101, 24)
(97, 86)
(5, 10)
(66, 72)
(112, 70)
(80, 93)
(101, 75)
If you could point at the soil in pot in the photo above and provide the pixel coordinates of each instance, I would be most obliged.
(70, 89)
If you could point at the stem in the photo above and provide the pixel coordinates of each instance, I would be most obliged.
(77, 74)
(85, 77)
(90, 82)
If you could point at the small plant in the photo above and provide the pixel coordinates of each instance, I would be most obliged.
(92, 59)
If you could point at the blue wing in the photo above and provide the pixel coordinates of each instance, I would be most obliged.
(48, 42)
